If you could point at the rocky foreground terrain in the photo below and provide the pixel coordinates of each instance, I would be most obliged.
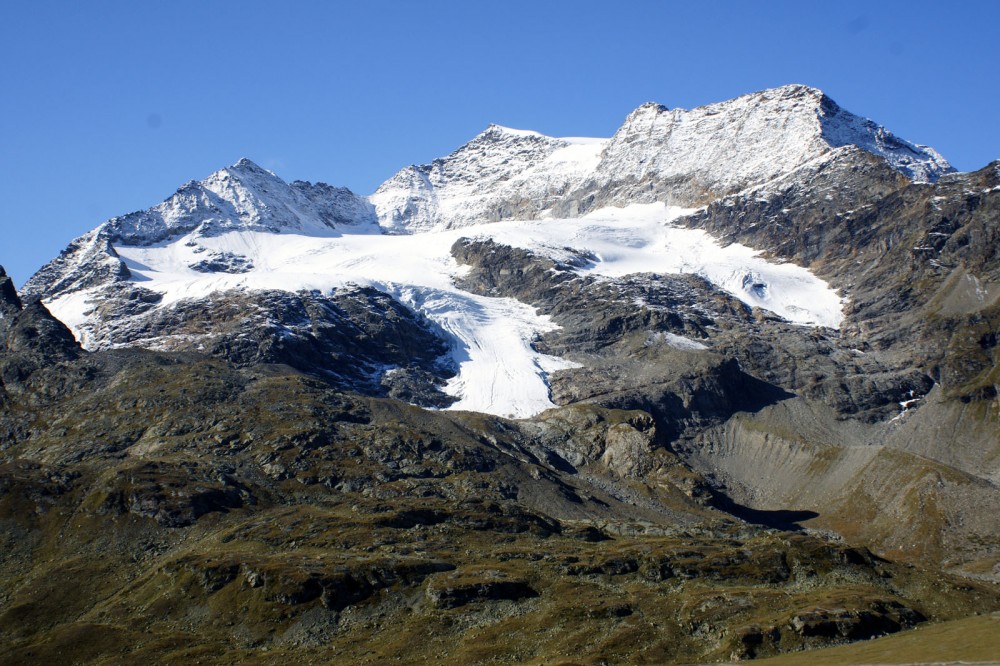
(247, 468)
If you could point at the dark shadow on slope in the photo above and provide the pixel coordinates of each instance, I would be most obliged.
(559, 463)
(693, 402)
(756, 394)
(782, 519)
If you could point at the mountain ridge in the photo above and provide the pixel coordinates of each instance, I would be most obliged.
(549, 176)
(709, 151)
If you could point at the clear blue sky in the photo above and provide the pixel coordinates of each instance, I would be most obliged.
(108, 107)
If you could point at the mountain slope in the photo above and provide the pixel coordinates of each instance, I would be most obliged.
(750, 351)
(172, 507)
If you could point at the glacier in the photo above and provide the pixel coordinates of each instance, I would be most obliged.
(498, 370)
(619, 200)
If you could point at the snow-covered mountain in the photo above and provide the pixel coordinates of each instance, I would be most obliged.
(249, 198)
(600, 209)
(730, 331)
(753, 346)
(242, 197)
(680, 157)
(501, 174)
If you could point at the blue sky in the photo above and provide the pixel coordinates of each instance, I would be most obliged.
(108, 107)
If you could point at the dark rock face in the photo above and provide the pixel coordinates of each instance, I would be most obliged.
(916, 260)
(30, 338)
(223, 262)
(10, 304)
(173, 497)
(452, 591)
(359, 339)
(35, 331)
(908, 255)
(882, 618)
(809, 214)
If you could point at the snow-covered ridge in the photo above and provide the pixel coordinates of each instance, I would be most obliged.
(678, 157)
(754, 138)
(919, 163)
(501, 174)
(243, 196)
(675, 156)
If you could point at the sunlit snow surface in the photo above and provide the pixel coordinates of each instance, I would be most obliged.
(499, 372)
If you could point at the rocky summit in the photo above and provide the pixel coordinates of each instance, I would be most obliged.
(719, 387)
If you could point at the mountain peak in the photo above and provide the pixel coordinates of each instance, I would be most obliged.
(246, 163)
(676, 156)
(247, 166)
(462, 188)
(244, 169)
(796, 90)
(645, 110)
(838, 127)
(754, 138)
(501, 130)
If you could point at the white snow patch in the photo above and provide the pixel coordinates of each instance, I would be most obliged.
(905, 406)
(642, 239)
(516, 132)
(74, 310)
(499, 372)
(675, 341)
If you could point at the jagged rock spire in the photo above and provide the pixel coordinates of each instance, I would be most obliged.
(10, 303)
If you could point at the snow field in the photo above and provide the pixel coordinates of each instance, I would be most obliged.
(498, 371)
